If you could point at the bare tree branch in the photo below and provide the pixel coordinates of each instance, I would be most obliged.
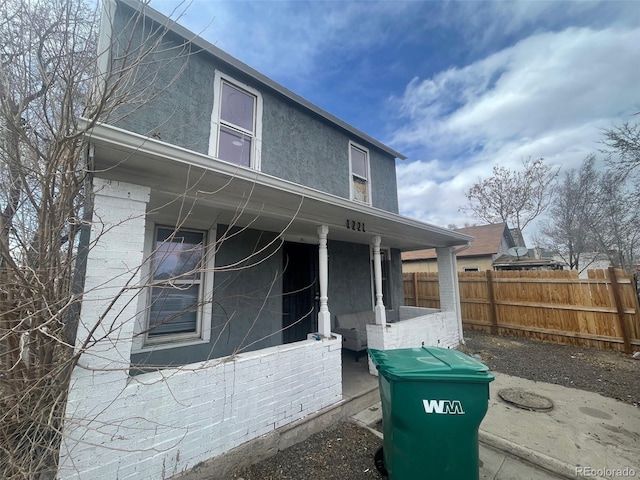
(515, 197)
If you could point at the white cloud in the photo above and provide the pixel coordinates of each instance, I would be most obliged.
(514, 79)
(548, 95)
(286, 39)
(489, 21)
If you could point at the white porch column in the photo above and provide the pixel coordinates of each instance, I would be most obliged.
(107, 321)
(324, 316)
(448, 284)
(117, 233)
(380, 313)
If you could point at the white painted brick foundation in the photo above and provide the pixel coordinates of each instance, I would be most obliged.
(162, 423)
(416, 326)
(155, 425)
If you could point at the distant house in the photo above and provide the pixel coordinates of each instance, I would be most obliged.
(518, 238)
(510, 262)
(490, 242)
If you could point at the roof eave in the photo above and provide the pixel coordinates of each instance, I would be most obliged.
(119, 137)
(200, 42)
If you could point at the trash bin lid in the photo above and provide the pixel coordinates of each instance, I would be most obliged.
(429, 363)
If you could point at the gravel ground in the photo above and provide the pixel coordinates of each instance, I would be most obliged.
(345, 451)
(608, 373)
(342, 452)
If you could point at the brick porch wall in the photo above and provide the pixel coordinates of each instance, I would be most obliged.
(155, 425)
(438, 329)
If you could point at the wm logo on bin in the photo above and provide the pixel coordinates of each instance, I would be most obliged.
(444, 407)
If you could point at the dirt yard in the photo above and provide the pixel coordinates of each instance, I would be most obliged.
(342, 452)
(608, 373)
(345, 451)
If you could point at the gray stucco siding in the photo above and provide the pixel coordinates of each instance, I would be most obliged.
(247, 308)
(302, 148)
(297, 145)
(351, 283)
(171, 99)
(349, 288)
(247, 303)
(383, 181)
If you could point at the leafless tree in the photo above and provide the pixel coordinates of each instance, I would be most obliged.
(592, 212)
(53, 73)
(567, 227)
(620, 192)
(48, 66)
(56, 83)
(515, 197)
(615, 222)
(623, 146)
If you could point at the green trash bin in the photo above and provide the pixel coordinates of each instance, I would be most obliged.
(433, 401)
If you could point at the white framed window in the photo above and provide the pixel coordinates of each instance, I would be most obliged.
(176, 310)
(360, 174)
(236, 123)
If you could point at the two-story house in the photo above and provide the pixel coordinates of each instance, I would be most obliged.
(233, 223)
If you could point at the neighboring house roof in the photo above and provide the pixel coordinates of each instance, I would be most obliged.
(247, 70)
(487, 241)
(508, 262)
(541, 252)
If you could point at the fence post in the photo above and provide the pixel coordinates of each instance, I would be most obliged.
(636, 296)
(492, 303)
(620, 308)
(415, 289)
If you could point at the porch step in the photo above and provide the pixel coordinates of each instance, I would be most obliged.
(370, 415)
(362, 401)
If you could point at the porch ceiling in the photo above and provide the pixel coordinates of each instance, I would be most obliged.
(213, 191)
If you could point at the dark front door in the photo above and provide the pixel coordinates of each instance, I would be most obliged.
(300, 291)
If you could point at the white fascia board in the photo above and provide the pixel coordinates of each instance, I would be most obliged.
(136, 143)
(200, 42)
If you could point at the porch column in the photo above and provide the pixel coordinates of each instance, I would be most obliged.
(448, 284)
(109, 309)
(380, 313)
(324, 316)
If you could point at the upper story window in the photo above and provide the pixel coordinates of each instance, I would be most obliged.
(360, 174)
(236, 123)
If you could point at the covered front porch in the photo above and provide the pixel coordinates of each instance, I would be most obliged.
(196, 190)
(194, 399)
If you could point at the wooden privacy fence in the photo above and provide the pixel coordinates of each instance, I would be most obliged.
(601, 311)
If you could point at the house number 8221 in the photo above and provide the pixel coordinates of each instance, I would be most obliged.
(357, 226)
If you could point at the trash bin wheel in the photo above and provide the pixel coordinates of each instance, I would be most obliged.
(379, 461)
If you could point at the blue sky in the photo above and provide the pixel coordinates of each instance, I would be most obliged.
(456, 86)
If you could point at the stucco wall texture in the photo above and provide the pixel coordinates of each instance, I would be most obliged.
(247, 302)
(297, 144)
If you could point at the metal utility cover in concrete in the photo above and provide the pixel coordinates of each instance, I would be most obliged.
(525, 400)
